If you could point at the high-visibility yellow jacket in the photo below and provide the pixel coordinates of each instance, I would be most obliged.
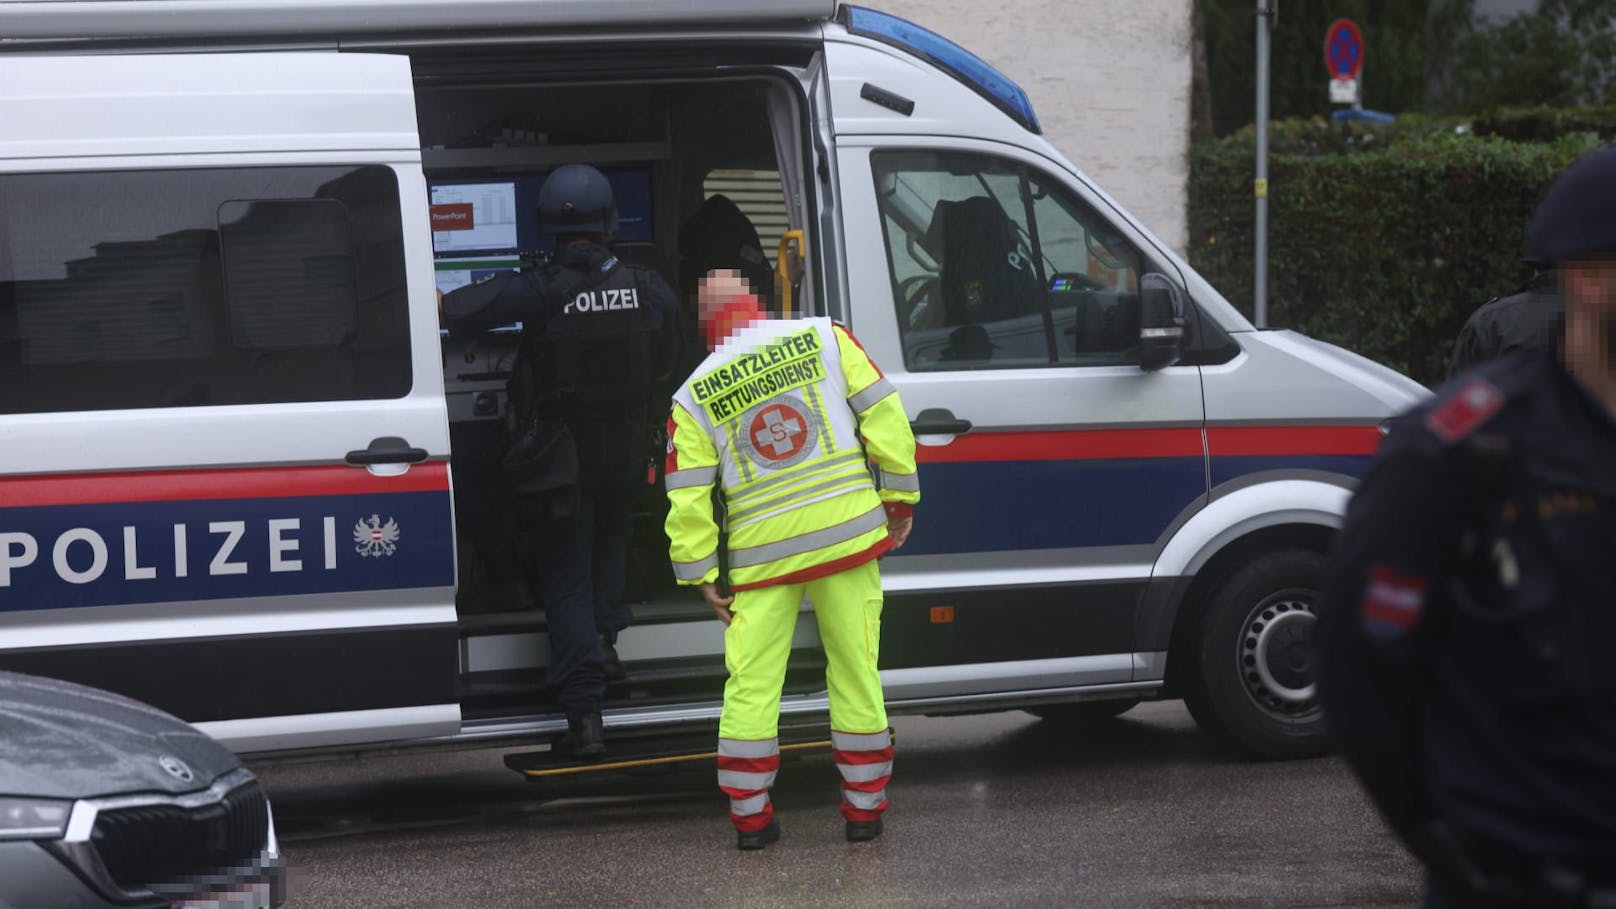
(786, 418)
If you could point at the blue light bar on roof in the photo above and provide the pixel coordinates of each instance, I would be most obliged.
(958, 62)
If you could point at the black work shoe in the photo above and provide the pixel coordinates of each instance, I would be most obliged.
(611, 663)
(757, 839)
(583, 740)
(863, 831)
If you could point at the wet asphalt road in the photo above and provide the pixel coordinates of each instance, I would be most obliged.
(997, 810)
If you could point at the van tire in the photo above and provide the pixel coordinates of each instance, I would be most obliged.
(1083, 713)
(1252, 659)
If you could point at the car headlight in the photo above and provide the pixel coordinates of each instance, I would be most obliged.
(33, 819)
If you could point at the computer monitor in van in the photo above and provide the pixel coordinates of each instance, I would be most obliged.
(495, 216)
(485, 225)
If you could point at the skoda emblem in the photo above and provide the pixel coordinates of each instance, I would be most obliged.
(176, 768)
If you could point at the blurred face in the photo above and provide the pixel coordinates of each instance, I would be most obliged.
(717, 288)
(1590, 328)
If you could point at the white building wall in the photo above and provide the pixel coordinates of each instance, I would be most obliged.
(1110, 82)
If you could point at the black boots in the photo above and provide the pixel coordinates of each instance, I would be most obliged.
(863, 831)
(757, 839)
(583, 740)
(857, 832)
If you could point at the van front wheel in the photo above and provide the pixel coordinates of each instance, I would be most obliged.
(1253, 685)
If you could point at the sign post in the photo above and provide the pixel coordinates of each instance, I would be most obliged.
(1344, 59)
(1266, 11)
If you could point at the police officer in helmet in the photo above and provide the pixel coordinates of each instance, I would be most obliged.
(597, 336)
(1468, 635)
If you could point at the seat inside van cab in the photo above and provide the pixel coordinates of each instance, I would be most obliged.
(984, 277)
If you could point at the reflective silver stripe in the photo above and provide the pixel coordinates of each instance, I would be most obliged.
(751, 806)
(855, 476)
(899, 482)
(748, 748)
(739, 779)
(692, 476)
(866, 801)
(1161, 332)
(803, 482)
(695, 571)
(871, 396)
(865, 773)
(792, 476)
(860, 741)
(808, 542)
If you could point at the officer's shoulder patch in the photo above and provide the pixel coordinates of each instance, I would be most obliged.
(1469, 409)
(1392, 603)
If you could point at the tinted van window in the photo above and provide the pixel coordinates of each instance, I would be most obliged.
(173, 288)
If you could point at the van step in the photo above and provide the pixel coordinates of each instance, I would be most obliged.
(656, 751)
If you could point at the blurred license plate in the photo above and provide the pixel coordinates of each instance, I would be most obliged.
(248, 896)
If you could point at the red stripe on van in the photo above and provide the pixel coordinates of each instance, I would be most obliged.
(1293, 440)
(1118, 444)
(232, 483)
(1065, 445)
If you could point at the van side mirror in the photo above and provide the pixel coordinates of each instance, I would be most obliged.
(1161, 322)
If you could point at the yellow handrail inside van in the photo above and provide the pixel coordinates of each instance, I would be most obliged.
(782, 267)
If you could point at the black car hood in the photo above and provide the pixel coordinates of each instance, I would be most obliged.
(59, 740)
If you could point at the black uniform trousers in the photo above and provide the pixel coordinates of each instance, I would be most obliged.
(579, 564)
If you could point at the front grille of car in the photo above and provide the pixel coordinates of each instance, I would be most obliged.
(151, 845)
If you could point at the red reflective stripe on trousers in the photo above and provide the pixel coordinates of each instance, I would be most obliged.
(860, 815)
(751, 823)
(875, 785)
(863, 757)
(749, 765)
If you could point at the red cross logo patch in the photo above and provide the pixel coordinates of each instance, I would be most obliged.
(779, 433)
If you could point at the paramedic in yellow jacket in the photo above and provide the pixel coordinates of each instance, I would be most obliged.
(785, 418)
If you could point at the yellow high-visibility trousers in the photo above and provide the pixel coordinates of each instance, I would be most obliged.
(757, 644)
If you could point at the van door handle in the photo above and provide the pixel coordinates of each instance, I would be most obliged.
(387, 450)
(938, 421)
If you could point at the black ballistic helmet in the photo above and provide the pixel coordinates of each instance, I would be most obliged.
(1577, 218)
(577, 199)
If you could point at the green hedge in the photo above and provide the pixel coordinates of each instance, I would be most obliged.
(1383, 247)
(1317, 136)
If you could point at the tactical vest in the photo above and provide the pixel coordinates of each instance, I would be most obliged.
(591, 364)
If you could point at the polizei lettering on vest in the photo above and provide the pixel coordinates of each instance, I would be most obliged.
(720, 380)
(82, 555)
(604, 300)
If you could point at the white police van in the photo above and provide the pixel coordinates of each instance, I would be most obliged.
(244, 478)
